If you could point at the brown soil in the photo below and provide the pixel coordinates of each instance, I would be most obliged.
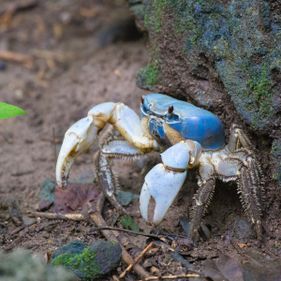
(73, 73)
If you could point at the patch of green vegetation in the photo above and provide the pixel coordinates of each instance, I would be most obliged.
(154, 14)
(149, 74)
(260, 86)
(129, 223)
(10, 111)
(83, 264)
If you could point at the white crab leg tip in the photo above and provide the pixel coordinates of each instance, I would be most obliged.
(163, 185)
(64, 160)
(77, 139)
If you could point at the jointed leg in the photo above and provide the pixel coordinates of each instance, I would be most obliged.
(108, 180)
(250, 189)
(202, 198)
(250, 185)
(238, 139)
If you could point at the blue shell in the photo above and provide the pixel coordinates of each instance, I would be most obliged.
(192, 122)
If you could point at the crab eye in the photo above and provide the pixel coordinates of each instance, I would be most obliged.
(142, 99)
(170, 109)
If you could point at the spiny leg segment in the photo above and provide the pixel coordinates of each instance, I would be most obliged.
(251, 180)
(234, 163)
(250, 190)
(201, 201)
(108, 180)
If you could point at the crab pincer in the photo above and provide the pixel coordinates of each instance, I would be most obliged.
(164, 181)
(82, 134)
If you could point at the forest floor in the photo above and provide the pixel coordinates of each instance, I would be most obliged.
(78, 54)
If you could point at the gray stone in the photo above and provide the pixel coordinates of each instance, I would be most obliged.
(21, 265)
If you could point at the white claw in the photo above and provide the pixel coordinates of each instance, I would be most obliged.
(78, 138)
(163, 185)
(164, 181)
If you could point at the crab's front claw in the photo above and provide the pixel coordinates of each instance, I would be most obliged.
(164, 181)
(163, 186)
(78, 138)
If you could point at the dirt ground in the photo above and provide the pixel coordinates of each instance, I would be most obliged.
(76, 63)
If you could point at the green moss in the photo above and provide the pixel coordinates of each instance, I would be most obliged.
(260, 86)
(154, 14)
(129, 223)
(149, 74)
(83, 264)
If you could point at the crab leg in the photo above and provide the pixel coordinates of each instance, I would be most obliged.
(108, 180)
(250, 189)
(81, 135)
(202, 199)
(164, 181)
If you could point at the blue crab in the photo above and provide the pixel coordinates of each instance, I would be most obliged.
(187, 137)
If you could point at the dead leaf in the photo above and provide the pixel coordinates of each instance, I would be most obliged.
(252, 265)
(75, 197)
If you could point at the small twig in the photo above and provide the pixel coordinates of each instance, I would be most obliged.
(155, 236)
(26, 60)
(138, 258)
(54, 216)
(171, 277)
(80, 217)
(110, 235)
(22, 227)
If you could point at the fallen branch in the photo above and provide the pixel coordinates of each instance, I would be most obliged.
(138, 258)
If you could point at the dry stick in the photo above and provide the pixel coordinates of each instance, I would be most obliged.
(171, 277)
(138, 258)
(80, 217)
(54, 216)
(110, 235)
(26, 60)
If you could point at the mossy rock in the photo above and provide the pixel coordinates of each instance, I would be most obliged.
(88, 262)
(240, 52)
(219, 54)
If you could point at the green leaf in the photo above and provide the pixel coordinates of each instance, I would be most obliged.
(10, 111)
(129, 223)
